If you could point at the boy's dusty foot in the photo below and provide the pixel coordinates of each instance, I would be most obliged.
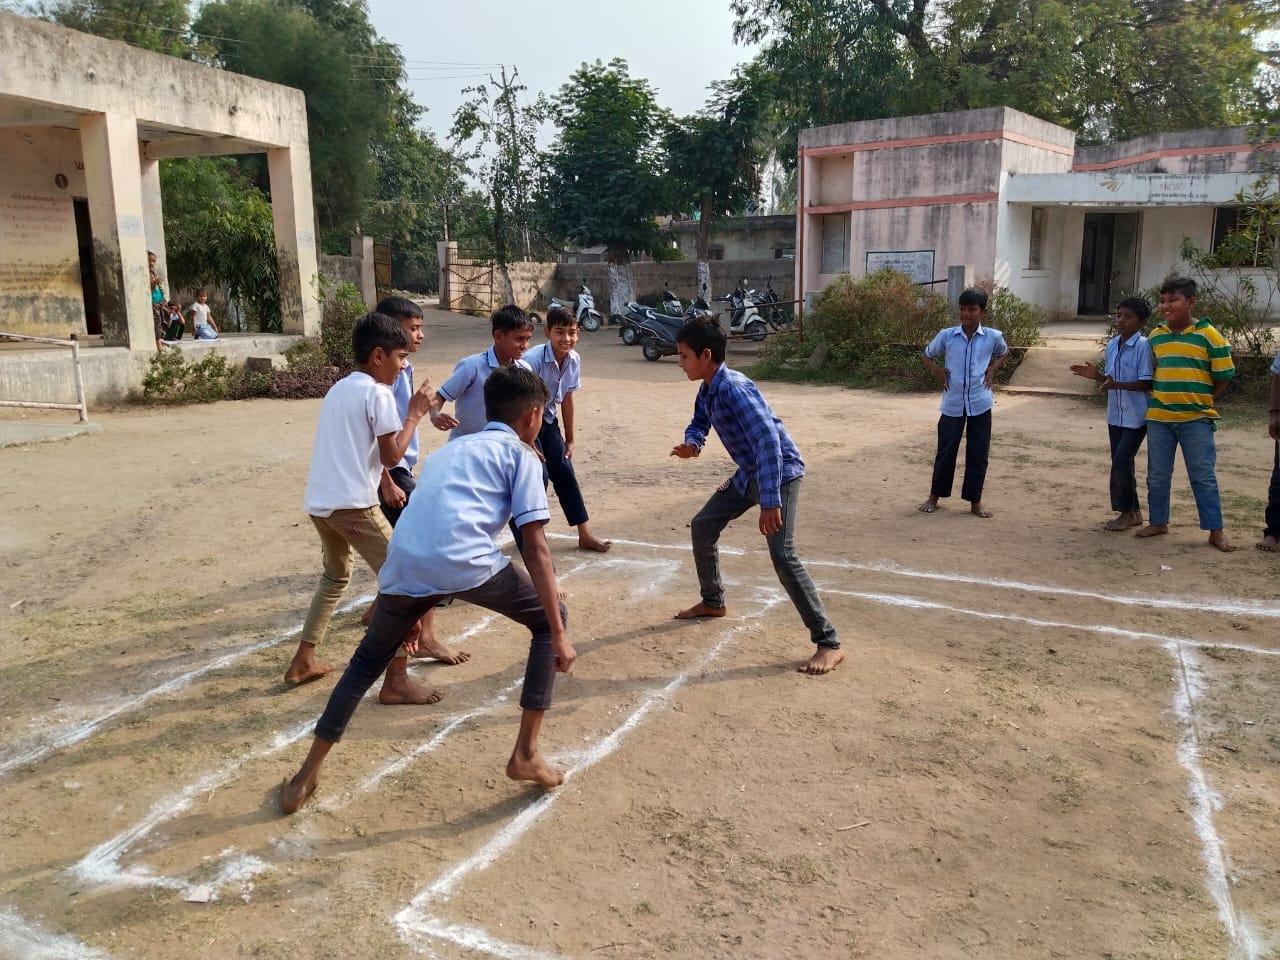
(1218, 538)
(1153, 530)
(1124, 521)
(534, 769)
(433, 649)
(304, 668)
(1269, 544)
(698, 611)
(399, 689)
(294, 793)
(929, 506)
(824, 660)
(978, 510)
(589, 541)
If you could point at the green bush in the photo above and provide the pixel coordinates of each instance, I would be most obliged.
(171, 379)
(343, 306)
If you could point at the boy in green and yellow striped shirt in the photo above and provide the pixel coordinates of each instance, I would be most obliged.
(1193, 368)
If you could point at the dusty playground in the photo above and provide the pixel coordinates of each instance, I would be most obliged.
(1032, 750)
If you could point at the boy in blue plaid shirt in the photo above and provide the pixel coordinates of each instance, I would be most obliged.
(769, 473)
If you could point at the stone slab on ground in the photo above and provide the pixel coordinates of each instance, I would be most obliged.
(1049, 368)
(15, 433)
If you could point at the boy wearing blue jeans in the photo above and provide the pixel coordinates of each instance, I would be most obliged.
(445, 547)
(560, 368)
(1193, 368)
(769, 474)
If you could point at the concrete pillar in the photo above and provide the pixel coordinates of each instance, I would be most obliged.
(113, 176)
(446, 253)
(153, 217)
(293, 214)
(362, 250)
(959, 279)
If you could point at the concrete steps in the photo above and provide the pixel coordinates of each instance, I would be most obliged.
(1046, 370)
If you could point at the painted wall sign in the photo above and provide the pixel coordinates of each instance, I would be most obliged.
(916, 264)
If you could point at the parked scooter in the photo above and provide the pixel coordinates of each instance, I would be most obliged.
(584, 308)
(767, 304)
(744, 316)
(637, 314)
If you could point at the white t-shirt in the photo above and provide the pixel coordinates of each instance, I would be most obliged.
(345, 463)
(201, 311)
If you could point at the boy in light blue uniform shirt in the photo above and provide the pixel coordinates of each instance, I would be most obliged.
(970, 354)
(512, 330)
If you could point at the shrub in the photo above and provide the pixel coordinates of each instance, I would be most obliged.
(343, 306)
(171, 379)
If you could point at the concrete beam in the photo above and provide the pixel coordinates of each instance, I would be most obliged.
(113, 175)
(1127, 189)
(200, 147)
(294, 218)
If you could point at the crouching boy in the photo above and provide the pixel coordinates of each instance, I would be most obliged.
(445, 547)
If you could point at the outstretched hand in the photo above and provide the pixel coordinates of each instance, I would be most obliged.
(442, 421)
(685, 451)
(1086, 370)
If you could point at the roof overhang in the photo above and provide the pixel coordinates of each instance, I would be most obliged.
(1128, 189)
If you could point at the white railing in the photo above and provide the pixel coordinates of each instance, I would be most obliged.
(79, 406)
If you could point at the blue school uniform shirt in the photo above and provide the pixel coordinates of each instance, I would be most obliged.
(560, 380)
(446, 540)
(1125, 363)
(465, 388)
(1275, 365)
(402, 390)
(967, 359)
(754, 436)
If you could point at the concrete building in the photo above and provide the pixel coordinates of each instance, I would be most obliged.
(84, 125)
(1073, 229)
(741, 238)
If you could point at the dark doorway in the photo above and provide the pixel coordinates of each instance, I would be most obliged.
(1108, 261)
(88, 278)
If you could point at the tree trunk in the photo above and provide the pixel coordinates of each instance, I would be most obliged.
(508, 291)
(620, 292)
(704, 247)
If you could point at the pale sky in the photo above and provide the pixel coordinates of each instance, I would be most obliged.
(679, 46)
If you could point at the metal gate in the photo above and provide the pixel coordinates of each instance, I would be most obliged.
(382, 267)
(469, 282)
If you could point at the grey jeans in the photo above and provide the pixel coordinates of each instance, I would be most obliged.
(509, 592)
(726, 505)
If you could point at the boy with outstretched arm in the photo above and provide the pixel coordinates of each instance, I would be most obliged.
(397, 483)
(445, 547)
(1270, 541)
(512, 330)
(560, 368)
(769, 473)
(970, 355)
(1193, 368)
(358, 434)
(1126, 375)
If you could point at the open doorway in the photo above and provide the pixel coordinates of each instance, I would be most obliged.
(1108, 261)
(88, 277)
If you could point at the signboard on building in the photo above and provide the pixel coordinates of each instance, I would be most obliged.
(916, 264)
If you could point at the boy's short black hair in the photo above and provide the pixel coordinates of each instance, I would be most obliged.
(1183, 286)
(703, 334)
(1138, 306)
(973, 297)
(375, 330)
(560, 317)
(511, 392)
(511, 317)
(398, 308)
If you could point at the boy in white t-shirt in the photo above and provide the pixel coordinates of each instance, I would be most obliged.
(359, 433)
(203, 317)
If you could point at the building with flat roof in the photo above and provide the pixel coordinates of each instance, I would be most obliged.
(1072, 229)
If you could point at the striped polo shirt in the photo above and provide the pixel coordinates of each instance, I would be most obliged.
(1187, 365)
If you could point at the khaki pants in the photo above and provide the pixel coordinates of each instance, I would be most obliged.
(368, 532)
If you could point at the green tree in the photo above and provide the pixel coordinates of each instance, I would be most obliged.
(603, 179)
(159, 25)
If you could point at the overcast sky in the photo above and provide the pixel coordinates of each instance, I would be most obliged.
(679, 46)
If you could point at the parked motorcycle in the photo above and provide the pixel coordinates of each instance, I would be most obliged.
(584, 308)
(636, 314)
(767, 304)
(744, 316)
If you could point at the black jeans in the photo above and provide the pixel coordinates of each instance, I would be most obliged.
(976, 452)
(561, 474)
(509, 592)
(725, 505)
(1273, 500)
(1125, 444)
(403, 478)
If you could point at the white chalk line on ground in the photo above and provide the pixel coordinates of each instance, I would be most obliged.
(83, 730)
(415, 921)
(22, 939)
(1253, 608)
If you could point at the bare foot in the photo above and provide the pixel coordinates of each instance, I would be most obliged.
(929, 506)
(1218, 538)
(304, 668)
(1269, 544)
(294, 793)
(824, 660)
(400, 690)
(1124, 521)
(534, 769)
(589, 541)
(433, 649)
(698, 611)
(1153, 530)
(978, 510)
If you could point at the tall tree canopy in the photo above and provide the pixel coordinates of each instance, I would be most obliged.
(159, 25)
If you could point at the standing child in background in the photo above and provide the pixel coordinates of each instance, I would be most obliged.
(359, 433)
(970, 354)
(203, 317)
(445, 548)
(769, 473)
(157, 301)
(1193, 368)
(1270, 541)
(512, 330)
(560, 368)
(397, 484)
(1126, 377)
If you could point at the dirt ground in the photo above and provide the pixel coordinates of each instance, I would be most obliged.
(1047, 740)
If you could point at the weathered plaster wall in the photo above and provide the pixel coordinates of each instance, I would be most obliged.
(40, 291)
